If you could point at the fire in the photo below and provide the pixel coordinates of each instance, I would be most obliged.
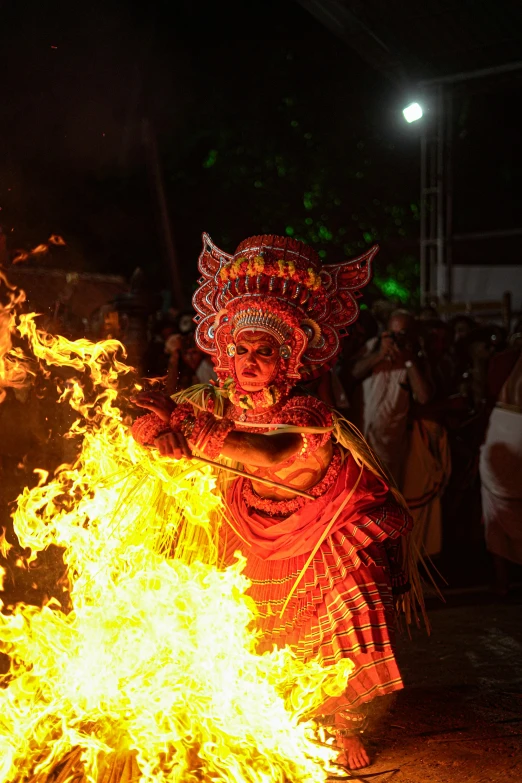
(148, 671)
(39, 250)
(14, 365)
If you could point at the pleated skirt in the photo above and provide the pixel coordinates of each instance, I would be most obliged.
(339, 610)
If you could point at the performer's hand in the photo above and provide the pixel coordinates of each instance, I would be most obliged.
(173, 444)
(157, 402)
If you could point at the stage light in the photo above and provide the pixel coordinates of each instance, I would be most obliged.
(413, 112)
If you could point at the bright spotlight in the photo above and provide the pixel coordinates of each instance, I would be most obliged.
(413, 112)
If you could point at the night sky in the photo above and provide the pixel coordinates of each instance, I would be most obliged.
(262, 118)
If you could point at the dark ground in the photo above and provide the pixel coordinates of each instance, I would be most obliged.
(459, 717)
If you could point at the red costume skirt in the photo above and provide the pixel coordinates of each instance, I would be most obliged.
(343, 606)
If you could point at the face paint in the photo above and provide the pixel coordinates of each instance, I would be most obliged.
(256, 360)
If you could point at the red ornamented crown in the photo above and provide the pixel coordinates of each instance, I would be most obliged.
(277, 284)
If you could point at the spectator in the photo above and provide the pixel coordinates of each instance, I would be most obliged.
(461, 326)
(185, 322)
(156, 357)
(472, 355)
(381, 311)
(465, 419)
(363, 330)
(335, 386)
(435, 339)
(501, 464)
(396, 388)
(343, 383)
(187, 365)
(391, 373)
(428, 313)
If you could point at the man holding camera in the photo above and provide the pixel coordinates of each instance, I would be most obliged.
(393, 376)
(395, 386)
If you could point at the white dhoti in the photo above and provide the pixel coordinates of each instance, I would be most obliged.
(386, 400)
(501, 478)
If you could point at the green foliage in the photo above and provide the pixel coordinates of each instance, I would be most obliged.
(289, 169)
(393, 290)
(210, 159)
(400, 280)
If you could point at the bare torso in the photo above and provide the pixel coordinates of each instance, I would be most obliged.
(299, 473)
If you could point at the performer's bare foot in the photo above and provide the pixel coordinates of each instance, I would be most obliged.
(353, 753)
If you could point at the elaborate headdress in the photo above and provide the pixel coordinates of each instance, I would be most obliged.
(277, 285)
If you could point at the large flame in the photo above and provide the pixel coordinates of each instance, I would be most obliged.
(148, 672)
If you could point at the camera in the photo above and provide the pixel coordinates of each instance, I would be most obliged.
(400, 339)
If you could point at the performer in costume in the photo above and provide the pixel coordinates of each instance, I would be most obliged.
(327, 570)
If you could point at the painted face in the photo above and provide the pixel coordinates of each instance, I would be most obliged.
(256, 360)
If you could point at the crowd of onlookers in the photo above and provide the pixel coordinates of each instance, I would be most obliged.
(440, 402)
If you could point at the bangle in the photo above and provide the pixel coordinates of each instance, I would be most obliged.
(351, 724)
(183, 420)
(212, 439)
(147, 428)
(201, 430)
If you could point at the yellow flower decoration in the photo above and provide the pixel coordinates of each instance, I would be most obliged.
(259, 265)
(235, 267)
(311, 282)
(271, 395)
(281, 265)
(224, 273)
(314, 280)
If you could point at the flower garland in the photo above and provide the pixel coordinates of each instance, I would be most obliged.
(252, 401)
(283, 508)
(249, 419)
(264, 398)
(241, 267)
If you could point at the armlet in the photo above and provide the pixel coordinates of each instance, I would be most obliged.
(304, 411)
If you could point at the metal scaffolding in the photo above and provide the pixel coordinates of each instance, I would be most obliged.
(436, 179)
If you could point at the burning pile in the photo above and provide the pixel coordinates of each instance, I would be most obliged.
(151, 673)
